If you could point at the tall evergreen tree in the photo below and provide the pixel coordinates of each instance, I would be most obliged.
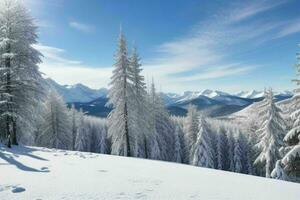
(270, 133)
(141, 118)
(121, 93)
(203, 155)
(20, 78)
(237, 154)
(288, 168)
(151, 143)
(191, 129)
(222, 147)
(74, 124)
(56, 129)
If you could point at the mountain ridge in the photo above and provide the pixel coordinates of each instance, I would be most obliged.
(212, 102)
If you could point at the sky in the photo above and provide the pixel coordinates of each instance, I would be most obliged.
(183, 44)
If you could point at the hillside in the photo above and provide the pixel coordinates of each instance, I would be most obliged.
(41, 173)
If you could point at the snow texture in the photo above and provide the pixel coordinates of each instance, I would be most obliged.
(41, 173)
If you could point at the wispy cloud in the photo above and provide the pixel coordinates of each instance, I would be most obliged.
(254, 8)
(219, 72)
(290, 28)
(68, 71)
(205, 53)
(87, 28)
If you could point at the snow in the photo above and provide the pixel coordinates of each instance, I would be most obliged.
(292, 154)
(250, 94)
(41, 173)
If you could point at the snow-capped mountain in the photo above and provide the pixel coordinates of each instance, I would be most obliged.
(213, 102)
(253, 94)
(77, 92)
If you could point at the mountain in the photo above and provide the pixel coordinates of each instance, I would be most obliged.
(217, 103)
(212, 102)
(77, 93)
(42, 173)
(96, 107)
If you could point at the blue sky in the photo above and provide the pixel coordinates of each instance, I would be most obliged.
(184, 44)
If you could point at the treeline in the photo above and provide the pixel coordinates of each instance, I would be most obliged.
(139, 124)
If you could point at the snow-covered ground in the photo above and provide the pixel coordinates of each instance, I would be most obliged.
(41, 173)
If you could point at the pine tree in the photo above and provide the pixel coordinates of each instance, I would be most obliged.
(288, 168)
(203, 155)
(20, 78)
(74, 125)
(151, 142)
(222, 147)
(141, 110)
(231, 146)
(121, 93)
(191, 129)
(177, 146)
(237, 154)
(270, 133)
(56, 130)
(82, 140)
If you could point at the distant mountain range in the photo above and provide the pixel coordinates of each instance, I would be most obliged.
(212, 102)
(77, 92)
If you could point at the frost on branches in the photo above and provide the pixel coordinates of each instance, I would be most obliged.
(20, 78)
(288, 168)
(270, 134)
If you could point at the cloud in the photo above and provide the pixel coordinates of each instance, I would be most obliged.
(67, 71)
(253, 9)
(290, 28)
(206, 51)
(82, 27)
(219, 72)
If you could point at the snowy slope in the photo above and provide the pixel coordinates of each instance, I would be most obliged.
(40, 173)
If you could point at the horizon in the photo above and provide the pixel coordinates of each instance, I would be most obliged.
(211, 45)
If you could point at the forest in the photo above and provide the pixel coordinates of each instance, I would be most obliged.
(139, 124)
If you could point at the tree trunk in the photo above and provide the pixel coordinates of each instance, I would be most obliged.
(9, 98)
(14, 133)
(146, 149)
(127, 131)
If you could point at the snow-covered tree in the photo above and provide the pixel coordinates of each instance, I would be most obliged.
(222, 148)
(191, 128)
(270, 133)
(288, 168)
(56, 129)
(237, 154)
(178, 150)
(20, 78)
(74, 124)
(82, 136)
(141, 105)
(97, 129)
(203, 155)
(231, 147)
(151, 141)
(121, 97)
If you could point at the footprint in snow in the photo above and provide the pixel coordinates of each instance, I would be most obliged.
(5, 187)
(18, 190)
(45, 169)
(102, 170)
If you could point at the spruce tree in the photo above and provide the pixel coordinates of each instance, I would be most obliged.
(191, 129)
(121, 98)
(56, 129)
(270, 133)
(141, 117)
(288, 168)
(203, 155)
(20, 79)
